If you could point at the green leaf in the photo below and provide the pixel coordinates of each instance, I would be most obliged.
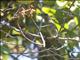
(15, 31)
(61, 3)
(38, 11)
(72, 44)
(45, 10)
(66, 25)
(76, 20)
(4, 49)
(49, 11)
(53, 10)
(58, 26)
(5, 57)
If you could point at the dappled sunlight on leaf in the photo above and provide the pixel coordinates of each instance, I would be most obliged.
(61, 3)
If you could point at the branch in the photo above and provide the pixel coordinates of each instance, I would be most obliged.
(72, 4)
(7, 34)
(42, 39)
(27, 37)
(66, 38)
(39, 31)
(74, 38)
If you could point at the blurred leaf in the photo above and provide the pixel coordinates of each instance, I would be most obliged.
(77, 14)
(76, 20)
(38, 42)
(15, 32)
(9, 17)
(1, 14)
(61, 3)
(49, 3)
(66, 25)
(46, 10)
(72, 44)
(49, 11)
(5, 57)
(38, 11)
(72, 24)
(4, 49)
(70, 33)
(25, 1)
(58, 26)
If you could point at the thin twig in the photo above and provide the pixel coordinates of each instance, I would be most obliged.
(39, 31)
(42, 39)
(27, 37)
(72, 4)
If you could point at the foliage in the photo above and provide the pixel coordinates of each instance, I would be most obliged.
(52, 26)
